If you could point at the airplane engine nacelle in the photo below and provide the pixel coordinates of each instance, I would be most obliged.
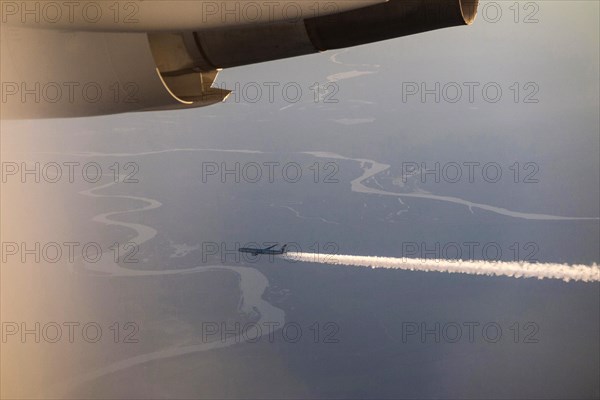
(222, 48)
(62, 73)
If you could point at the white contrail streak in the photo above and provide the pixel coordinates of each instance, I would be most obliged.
(565, 272)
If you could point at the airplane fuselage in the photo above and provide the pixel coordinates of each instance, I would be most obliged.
(268, 250)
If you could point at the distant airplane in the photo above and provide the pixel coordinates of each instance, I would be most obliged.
(269, 250)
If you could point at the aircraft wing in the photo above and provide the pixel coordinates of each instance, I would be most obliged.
(270, 247)
(73, 59)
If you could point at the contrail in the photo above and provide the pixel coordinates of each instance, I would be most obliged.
(565, 272)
